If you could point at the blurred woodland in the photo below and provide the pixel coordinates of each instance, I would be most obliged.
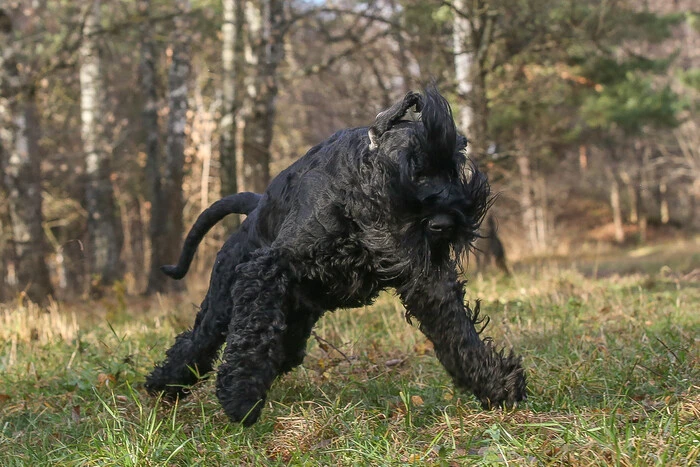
(121, 120)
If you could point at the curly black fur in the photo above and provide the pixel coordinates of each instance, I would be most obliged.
(395, 206)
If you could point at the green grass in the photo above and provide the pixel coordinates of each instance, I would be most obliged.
(613, 368)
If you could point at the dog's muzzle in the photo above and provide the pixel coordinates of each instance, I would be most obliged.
(441, 225)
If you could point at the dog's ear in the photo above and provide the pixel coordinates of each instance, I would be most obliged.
(406, 110)
(441, 134)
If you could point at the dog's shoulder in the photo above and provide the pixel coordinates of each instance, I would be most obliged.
(334, 159)
(346, 143)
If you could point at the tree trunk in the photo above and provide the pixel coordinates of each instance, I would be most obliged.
(632, 194)
(22, 179)
(6, 250)
(527, 204)
(694, 220)
(268, 52)
(104, 230)
(664, 210)
(583, 157)
(169, 237)
(472, 35)
(464, 60)
(233, 60)
(616, 207)
(541, 216)
(478, 132)
(643, 229)
(20, 162)
(154, 160)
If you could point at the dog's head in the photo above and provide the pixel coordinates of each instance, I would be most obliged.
(437, 195)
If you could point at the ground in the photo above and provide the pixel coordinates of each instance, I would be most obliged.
(610, 346)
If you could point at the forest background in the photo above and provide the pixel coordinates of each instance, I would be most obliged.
(121, 120)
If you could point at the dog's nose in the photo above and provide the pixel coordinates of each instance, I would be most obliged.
(441, 224)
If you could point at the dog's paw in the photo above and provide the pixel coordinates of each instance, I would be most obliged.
(244, 412)
(167, 392)
(506, 385)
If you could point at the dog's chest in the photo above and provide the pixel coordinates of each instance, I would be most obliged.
(341, 277)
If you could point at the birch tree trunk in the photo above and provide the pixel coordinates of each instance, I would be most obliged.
(268, 52)
(616, 207)
(464, 61)
(664, 210)
(19, 159)
(630, 187)
(104, 241)
(22, 179)
(473, 27)
(233, 61)
(233, 64)
(173, 169)
(168, 204)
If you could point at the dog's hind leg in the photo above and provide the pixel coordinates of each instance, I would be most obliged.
(194, 351)
(494, 377)
(192, 355)
(254, 354)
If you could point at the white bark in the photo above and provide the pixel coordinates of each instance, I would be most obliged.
(616, 207)
(464, 61)
(267, 51)
(104, 231)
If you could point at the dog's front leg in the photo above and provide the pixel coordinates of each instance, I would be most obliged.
(254, 348)
(495, 378)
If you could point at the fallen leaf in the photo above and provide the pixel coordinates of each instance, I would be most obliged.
(413, 458)
(104, 379)
(417, 401)
(75, 413)
(4, 398)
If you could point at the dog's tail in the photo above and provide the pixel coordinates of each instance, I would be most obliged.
(240, 203)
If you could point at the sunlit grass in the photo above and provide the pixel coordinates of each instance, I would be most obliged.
(613, 371)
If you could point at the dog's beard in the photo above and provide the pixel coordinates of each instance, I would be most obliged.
(429, 254)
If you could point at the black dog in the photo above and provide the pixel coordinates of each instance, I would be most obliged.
(391, 206)
(488, 249)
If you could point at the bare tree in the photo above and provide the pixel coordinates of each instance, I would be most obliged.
(104, 230)
(19, 159)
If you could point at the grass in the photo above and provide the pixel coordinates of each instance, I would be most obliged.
(613, 367)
